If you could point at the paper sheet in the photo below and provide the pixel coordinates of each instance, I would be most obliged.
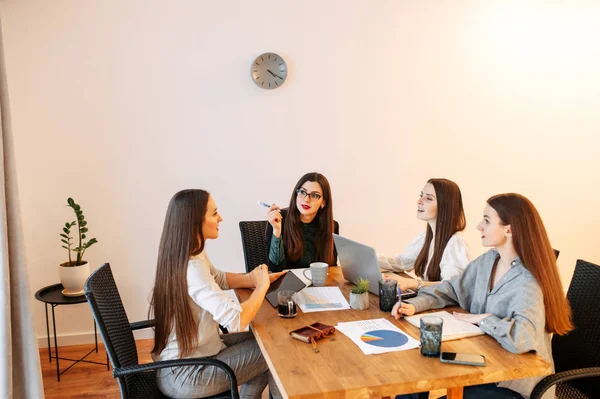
(377, 336)
(452, 328)
(321, 299)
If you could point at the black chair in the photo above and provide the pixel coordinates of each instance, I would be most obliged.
(577, 354)
(254, 243)
(135, 380)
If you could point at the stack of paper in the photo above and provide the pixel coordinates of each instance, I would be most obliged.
(321, 299)
(452, 328)
(377, 336)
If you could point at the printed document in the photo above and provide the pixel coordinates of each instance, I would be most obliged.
(321, 299)
(377, 336)
(452, 328)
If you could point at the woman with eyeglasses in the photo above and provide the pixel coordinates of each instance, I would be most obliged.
(302, 234)
(188, 304)
(440, 252)
(513, 291)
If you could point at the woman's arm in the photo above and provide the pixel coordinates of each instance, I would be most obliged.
(236, 280)
(259, 278)
(517, 332)
(406, 260)
(275, 250)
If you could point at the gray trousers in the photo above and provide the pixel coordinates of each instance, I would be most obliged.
(242, 355)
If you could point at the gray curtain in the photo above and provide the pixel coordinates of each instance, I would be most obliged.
(20, 372)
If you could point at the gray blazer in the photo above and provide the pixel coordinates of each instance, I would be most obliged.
(518, 320)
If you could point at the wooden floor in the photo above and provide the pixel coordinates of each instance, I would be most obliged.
(85, 380)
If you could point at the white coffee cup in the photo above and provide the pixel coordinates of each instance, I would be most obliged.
(318, 273)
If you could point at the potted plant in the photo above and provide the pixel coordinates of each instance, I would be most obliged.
(74, 272)
(359, 295)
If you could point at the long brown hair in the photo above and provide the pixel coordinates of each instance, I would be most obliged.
(292, 230)
(450, 219)
(536, 254)
(181, 238)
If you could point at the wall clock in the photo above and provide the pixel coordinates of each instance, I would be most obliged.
(269, 71)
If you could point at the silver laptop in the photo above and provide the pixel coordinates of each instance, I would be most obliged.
(358, 260)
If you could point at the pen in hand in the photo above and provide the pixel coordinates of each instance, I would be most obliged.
(264, 204)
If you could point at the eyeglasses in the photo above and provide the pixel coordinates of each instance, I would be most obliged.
(302, 193)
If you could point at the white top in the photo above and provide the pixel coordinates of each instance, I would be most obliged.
(455, 258)
(210, 306)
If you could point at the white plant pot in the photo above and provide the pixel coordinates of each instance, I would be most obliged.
(73, 278)
(359, 301)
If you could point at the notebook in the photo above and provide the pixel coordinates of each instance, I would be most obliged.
(452, 328)
(289, 282)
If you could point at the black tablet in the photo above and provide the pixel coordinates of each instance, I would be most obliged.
(289, 282)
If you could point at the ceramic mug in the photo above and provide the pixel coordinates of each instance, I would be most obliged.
(318, 273)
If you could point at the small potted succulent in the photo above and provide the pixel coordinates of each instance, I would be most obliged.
(359, 295)
(74, 272)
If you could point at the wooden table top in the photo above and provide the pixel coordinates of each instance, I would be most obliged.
(341, 369)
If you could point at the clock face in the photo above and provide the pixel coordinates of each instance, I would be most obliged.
(269, 71)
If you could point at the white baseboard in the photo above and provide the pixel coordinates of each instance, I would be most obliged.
(86, 338)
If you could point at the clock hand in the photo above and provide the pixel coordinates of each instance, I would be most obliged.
(277, 76)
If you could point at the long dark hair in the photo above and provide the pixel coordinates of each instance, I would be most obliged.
(292, 229)
(450, 219)
(532, 245)
(181, 238)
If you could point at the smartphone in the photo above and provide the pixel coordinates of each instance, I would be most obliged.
(408, 293)
(462, 358)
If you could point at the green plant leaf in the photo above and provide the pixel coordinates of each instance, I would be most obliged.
(65, 247)
(83, 222)
(67, 225)
(70, 201)
(66, 230)
(83, 229)
(64, 235)
(83, 236)
(65, 241)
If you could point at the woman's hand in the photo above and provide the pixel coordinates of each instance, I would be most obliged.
(403, 309)
(274, 218)
(260, 276)
(275, 276)
(471, 318)
(405, 283)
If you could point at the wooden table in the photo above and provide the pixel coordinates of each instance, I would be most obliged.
(342, 370)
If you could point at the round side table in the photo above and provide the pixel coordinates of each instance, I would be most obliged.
(52, 295)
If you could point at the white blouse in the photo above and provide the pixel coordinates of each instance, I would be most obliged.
(210, 306)
(455, 258)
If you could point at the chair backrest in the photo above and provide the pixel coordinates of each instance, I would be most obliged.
(254, 243)
(581, 347)
(108, 311)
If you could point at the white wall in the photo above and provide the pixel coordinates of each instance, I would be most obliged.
(121, 104)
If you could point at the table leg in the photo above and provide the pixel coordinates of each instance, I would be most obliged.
(55, 344)
(48, 334)
(455, 393)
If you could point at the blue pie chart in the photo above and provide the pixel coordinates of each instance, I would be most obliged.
(384, 338)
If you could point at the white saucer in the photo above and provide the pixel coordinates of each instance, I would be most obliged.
(72, 294)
